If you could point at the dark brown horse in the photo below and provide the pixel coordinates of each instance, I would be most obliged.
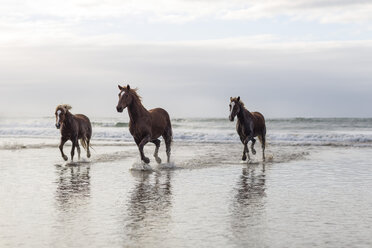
(145, 125)
(74, 128)
(248, 126)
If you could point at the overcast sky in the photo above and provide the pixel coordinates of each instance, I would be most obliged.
(284, 58)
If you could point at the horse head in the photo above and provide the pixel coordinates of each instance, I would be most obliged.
(125, 98)
(60, 113)
(234, 107)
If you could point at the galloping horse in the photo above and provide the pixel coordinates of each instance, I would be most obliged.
(73, 127)
(145, 125)
(248, 126)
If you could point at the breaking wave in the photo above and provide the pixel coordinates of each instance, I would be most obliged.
(40, 132)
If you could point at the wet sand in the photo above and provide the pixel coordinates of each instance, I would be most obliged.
(303, 197)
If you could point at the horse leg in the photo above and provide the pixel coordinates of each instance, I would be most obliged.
(63, 141)
(157, 144)
(144, 141)
(244, 157)
(78, 149)
(263, 144)
(74, 141)
(168, 142)
(245, 152)
(252, 146)
(88, 151)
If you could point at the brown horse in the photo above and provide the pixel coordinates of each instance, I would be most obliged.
(248, 126)
(145, 125)
(73, 127)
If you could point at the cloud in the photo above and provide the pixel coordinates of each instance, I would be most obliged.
(78, 51)
(346, 11)
(291, 79)
(43, 22)
(179, 11)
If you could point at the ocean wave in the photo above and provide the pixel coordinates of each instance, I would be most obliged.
(321, 138)
(297, 131)
(25, 145)
(110, 139)
(110, 124)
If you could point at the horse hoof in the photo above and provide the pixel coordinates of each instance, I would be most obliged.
(88, 155)
(65, 157)
(146, 160)
(253, 151)
(244, 157)
(158, 160)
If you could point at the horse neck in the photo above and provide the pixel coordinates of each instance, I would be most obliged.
(244, 114)
(136, 110)
(68, 119)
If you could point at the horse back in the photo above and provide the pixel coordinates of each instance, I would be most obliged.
(84, 125)
(160, 122)
(259, 123)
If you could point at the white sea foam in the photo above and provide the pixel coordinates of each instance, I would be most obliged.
(166, 166)
(141, 166)
(314, 132)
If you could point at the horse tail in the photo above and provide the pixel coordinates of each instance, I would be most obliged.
(170, 131)
(262, 137)
(83, 142)
(168, 138)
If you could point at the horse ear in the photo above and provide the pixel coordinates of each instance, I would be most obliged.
(128, 87)
(238, 98)
(120, 88)
(230, 98)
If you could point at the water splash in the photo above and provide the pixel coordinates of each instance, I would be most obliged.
(167, 166)
(141, 166)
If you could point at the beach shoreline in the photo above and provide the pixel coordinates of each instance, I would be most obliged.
(303, 195)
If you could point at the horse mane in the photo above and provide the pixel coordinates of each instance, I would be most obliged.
(65, 107)
(137, 97)
(240, 101)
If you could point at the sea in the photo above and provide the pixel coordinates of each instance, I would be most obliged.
(313, 190)
(18, 133)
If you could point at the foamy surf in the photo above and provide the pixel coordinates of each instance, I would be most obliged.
(141, 166)
(167, 166)
(276, 155)
(41, 133)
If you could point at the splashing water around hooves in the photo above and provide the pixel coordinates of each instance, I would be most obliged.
(141, 166)
(167, 166)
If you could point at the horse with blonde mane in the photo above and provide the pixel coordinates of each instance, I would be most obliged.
(145, 125)
(73, 127)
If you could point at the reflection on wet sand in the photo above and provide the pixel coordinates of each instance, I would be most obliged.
(248, 206)
(148, 209)
(72, 197)
(73, 186)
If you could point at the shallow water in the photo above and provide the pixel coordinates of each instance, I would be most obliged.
(307, 196)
